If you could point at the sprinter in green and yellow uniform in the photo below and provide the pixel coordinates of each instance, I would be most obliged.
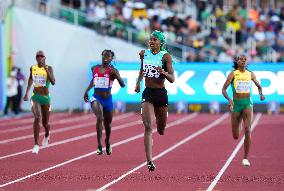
(241, 105)
(41, 75)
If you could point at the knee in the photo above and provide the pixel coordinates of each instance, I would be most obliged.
(45, 124)
(148, 130)
(100, 119)
(247, 131)
(147, 125)
(37, 119)
(107, 125)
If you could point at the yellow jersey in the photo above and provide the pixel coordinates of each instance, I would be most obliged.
(39, 76)
(241, 82)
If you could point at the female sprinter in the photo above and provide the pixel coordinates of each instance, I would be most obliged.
(41, 75)
(156, 66)
(241, 105)
(101, 101)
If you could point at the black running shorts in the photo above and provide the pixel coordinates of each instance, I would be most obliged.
(157, 96)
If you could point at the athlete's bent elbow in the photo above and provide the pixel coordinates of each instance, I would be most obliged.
(172, 80)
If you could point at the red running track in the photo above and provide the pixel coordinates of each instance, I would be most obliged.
(194, 154)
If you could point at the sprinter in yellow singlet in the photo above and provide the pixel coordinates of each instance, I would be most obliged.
(241, 105)
(41, 75)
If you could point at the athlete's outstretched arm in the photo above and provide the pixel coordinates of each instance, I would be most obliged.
(30, 83)
(253, 78)
(140, 76)
(50, 74)
(224, 89)
(116, 74)
(87, 90)
(169, 75)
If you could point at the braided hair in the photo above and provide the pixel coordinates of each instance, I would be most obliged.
(110, 51)
(235, 61)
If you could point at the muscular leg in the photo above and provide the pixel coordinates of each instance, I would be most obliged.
(36, 108)
(161, 118)
(45, 109)
(107, 124)
(147, 118)
(98, 111)
(247, 118)
(236, 122)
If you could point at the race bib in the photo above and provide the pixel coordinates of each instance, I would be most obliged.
(243, 87)
(101, 82)
(150, 71)
(39, 80)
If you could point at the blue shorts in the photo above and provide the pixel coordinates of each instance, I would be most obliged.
(105, 102)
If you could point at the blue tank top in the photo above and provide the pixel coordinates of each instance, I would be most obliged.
(151, 61)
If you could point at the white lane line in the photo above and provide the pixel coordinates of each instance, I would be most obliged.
(61, 121)
(192, 136)
(234, 153)
(64, 129)
(76, 138)
(171, 124)
(16, 120)
(57, 122)
(129, 124)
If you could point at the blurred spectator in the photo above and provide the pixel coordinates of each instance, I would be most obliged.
(185, 23)
(76, 4)
(226, 56)
(66, 3)
(42, 6)
(139, 10)
(11, 93)
(21, 80)
(253, 56)
(127, 10)
(141, 23)
(100, 11)
(90, 13)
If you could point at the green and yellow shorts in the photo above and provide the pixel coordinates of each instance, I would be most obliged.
(41, 99)
(241, 104)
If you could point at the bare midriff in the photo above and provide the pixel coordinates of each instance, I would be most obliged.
(103, 94)
(154, 82)
(41, 91)
(241, 95)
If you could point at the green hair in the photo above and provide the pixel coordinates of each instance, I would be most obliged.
(160, 35)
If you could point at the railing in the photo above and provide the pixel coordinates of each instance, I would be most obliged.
(106, 27)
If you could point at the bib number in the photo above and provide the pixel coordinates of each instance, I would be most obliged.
(39, 80)
(150, 71)
(243, 87)
(101, 82)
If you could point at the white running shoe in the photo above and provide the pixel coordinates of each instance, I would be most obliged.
(35, 149)
(45, 141)
(245, 162)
